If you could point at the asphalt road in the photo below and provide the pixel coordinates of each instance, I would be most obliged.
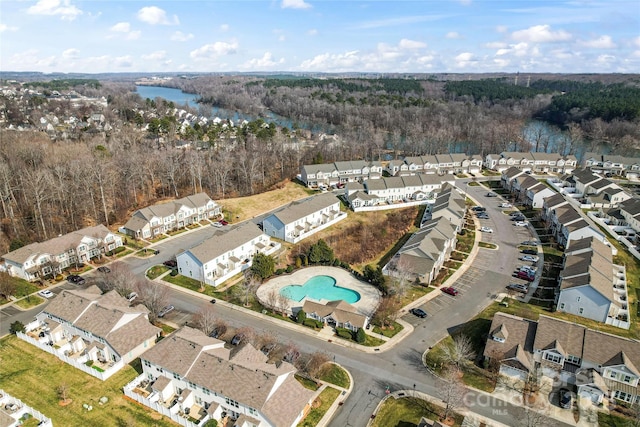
(397, 368)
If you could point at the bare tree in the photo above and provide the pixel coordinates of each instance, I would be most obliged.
(272, 300)
(387, 311)
(63, 392)
(283, 304)
(459, 352)
(154, 296)
(291, 353)
(121, 279)
(267, 341)
(402, 275)
(534, 418)
(205, 320)
(220, 326)
(313, 363)
(7, 285)
(451, 391)
(248, 333)
(249, 285)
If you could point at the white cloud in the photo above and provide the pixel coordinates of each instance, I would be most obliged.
(342, 61)
(541, 34)
(502, 28)
(519, 49)
(295, 4)
(124, 28)
(454, 35)
(4, 28)
(214, 50)
(602, 42)
(155, 16)
(605, 59)
(123, 61)
(71, 53)
(636, 41)
(465, 59)
(496, 45)
(155, 56)
(502, 62)
(411, 44)
(121, 27)
(63, 8)
(179, 36)
(312, 32)
(262, 63)
(224, 28)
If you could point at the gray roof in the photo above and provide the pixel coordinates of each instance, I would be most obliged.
(512, 172)
(300, 209)
(519, 335)
(555, 200)
(631, 206)
(57, 245)
(585, 176)
(324, 168)
(567, 214)
(169, 208)
(225, 240)
(339, 310)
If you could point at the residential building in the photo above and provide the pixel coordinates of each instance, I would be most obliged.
(421, 188)
(426, 251)
(331, 174)
(39, 260)
(510, 343)
(85, 327)
(228, 252)
(440, 164)
(536, 194)
(534, 162)
(154, 220)
(612, 165)
(449, 204)
(337, 314)
(602, 366)
(591, 285)
(14, 412)
(551, 203)
(567, 223)
(584, 178)
(301, 219)
(190, 375)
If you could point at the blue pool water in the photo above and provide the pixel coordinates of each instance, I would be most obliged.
(320, 287)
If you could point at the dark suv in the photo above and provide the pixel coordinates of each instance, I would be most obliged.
(418, 312)
(530, 251)
(75, 279)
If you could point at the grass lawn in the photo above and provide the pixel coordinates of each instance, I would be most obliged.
(156, 270)
(335, 375)
(124, 253)
(388, 332)
(132, 243)
(307, 383)
(23, 288)
(326, 398)
(242, 208)
(29, 301)
(613, 420)
(187, 282)
(407, 412)
(371, 341)
(34, 376)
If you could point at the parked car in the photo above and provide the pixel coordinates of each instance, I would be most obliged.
(46, 293)
(132, 296)
(450, 290)
(526, 276)
(486, 229)
(518, 218)
(418, 312)
(528, 268)
(530, 251)
(530, 243)
(483, 216)
(520, 223)
(165, 310)
(518, 287)
(75, 279)
(565, 398)
(104, 269)
(172, 263)
(213, 301)
(530, 258)
(223, 222)
(491, 194)
(237, 339)
(478, 209)
(217, 224)
(506, 205)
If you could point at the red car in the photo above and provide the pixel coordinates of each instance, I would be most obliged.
(526, 276)
(223, 222)
(449, 290)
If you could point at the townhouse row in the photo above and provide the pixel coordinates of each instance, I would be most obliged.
(601, 366)
(613, 165)
(532, 162)
(426, 251)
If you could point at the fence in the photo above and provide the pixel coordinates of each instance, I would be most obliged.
(128, 391)
(73, 362)
(7, 399)
(384, 207)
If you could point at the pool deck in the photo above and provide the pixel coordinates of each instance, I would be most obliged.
(369, 295)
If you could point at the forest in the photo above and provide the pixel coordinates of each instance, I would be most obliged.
(52, 184)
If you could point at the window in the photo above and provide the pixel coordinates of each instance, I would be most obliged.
(578, 299)
(621, 395)
(627, 378)
(176, 376)
(553, 358)
(580, 310)
(562, 306)
(573, 359)
(232, 402)
(146, 363)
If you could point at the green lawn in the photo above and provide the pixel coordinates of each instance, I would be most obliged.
(29, 302)
(388, 332)
(307, 383)
(613, 420)
(335, 375)
(407, 412)
(34, 376)
(23, 288)
(124, 253)
(157, 270)
(326, 398)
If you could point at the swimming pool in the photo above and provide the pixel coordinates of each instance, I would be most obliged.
(320, 287)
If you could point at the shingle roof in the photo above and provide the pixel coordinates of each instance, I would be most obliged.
(512, 172)
(554, 201)
(585, 176)
(287, 402)
(302, 208)
(519, 336)
(225, 240)
(339, 310)
(552, 332)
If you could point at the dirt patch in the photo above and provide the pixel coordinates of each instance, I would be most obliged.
(66, 402)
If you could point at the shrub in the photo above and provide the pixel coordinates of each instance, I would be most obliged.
(336, 262)
(174, 272)
(361, 337)
(301, 316)
(289, 268)
(16, 327)
(210, 423)
(344, 333)
(298, 262)
(59, 277)
(311, 323)
(279, 271)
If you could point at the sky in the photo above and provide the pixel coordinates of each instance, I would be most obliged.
(417, 36)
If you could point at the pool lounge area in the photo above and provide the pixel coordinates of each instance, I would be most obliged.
(322, 284)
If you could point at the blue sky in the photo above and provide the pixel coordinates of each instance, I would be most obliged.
(427, 36)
